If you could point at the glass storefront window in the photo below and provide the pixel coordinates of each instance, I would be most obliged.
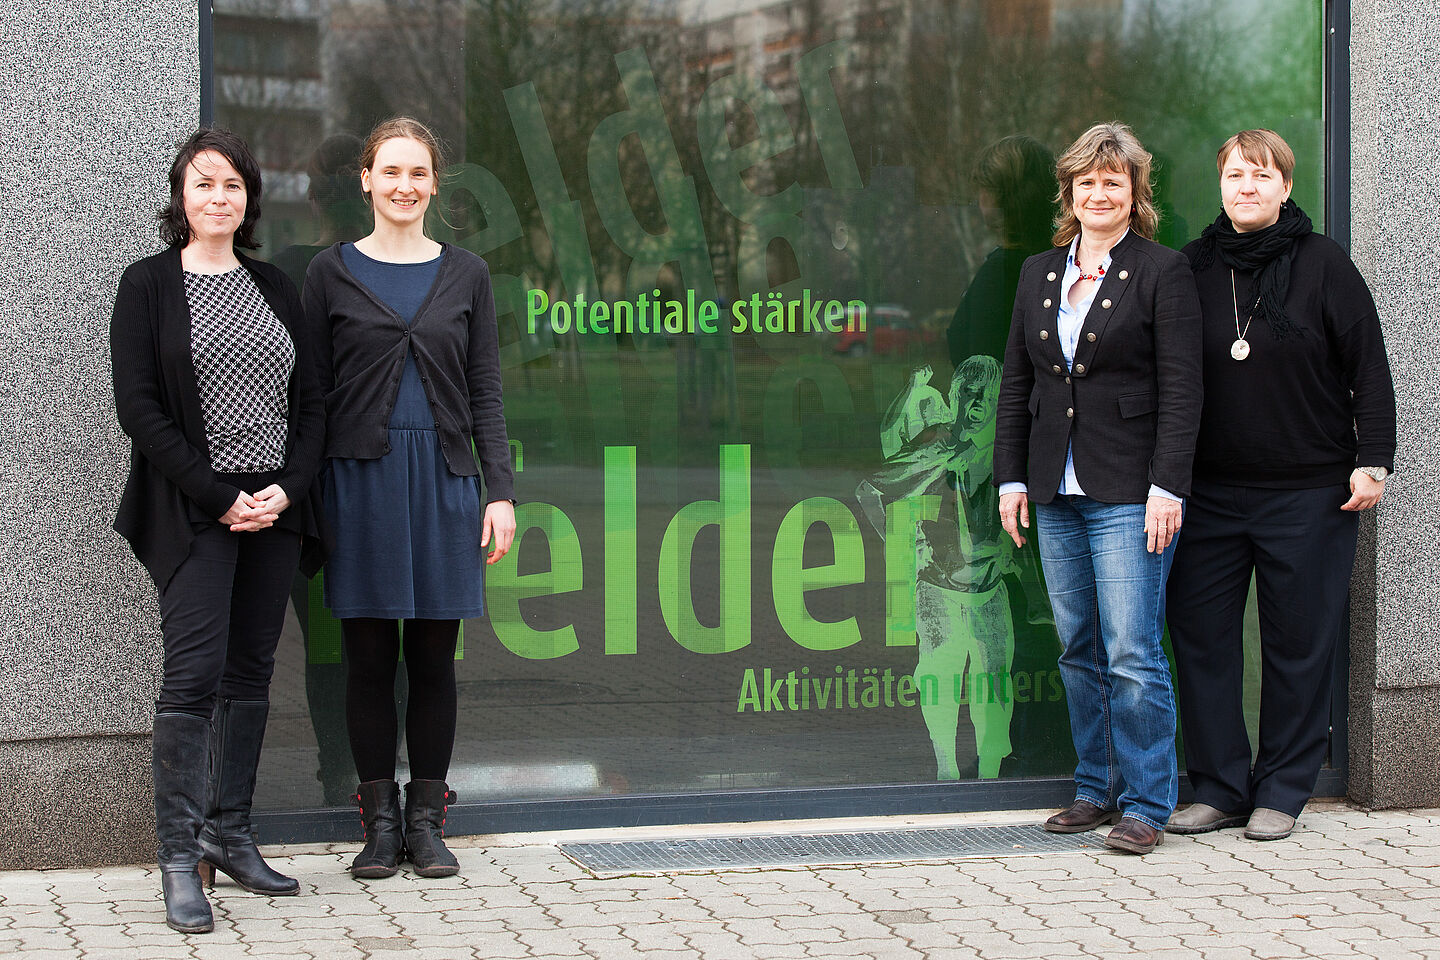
(754, 262)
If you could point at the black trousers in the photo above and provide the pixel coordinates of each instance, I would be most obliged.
(221, 617)
(1300, 547)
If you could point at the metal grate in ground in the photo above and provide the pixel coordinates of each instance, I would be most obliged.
(713, 853)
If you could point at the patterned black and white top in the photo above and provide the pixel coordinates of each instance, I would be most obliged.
(243, 358)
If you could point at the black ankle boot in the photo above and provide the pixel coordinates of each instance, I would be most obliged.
(227, 841)
(179, 764)
(379, 802)
(425, 804)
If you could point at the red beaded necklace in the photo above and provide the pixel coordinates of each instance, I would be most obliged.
(1087, 276)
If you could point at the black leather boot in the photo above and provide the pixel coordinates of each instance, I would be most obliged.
(379, 802)
(227, 841)
(179, 764)
(425, 804)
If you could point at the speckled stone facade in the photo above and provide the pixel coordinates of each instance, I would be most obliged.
(1395, 211)
(95, 97)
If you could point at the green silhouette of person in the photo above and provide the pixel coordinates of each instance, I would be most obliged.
(962, 605)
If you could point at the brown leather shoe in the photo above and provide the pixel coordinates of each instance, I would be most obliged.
(1133, 836)
(1080, 816)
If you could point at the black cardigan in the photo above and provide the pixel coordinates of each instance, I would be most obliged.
(1131, 405)
(171, 485)
(1305, 411)
(360, 348)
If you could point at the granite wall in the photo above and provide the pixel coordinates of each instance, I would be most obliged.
(1395, 240)
(95, 97)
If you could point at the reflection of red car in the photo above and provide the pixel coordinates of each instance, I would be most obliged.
(890, 331)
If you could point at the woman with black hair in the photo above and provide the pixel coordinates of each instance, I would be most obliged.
(215, 386)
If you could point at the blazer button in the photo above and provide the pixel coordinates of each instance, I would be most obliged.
(1067, 379)
(1044, 334)
(1047, 303)
(1124, 274)
(1105, 304)
(437, 424)
(1050, 275)
(1079, 368)
(1056, 368)
(1070, 412)
(1088, 336)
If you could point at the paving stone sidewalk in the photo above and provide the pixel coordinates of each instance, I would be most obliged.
(1347, 884)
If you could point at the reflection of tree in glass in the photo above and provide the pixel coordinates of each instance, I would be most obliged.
(962, 605)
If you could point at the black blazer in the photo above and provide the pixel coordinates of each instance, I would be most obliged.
(1131, 404)
(171, 485)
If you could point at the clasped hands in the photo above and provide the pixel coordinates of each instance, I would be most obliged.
(256, 511)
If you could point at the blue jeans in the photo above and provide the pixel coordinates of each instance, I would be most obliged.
(1108, 594)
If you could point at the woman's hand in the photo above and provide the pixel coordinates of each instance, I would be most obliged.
(1162, 523)
(256, 512)
(242, 515)
(1014, 514)
(1365, 491)
(500, 521)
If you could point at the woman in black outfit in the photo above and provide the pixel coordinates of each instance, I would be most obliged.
(410, 368)
(1297, 437)
(215, 386)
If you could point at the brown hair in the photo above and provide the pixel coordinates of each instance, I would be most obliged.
(396, 128)
(1262, 148)
(1106, 146)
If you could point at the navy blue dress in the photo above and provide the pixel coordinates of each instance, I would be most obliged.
(407, 530)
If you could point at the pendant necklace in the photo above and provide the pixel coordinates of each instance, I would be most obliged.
(1240, 349)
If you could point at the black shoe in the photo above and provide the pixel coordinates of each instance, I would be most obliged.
(227, 841)
(1080, 816)
(379, 802)
(179, 764)
(425, 804)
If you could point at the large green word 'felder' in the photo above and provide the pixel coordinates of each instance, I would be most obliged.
(508, 590)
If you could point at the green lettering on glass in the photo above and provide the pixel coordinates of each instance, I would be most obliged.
(726, 165)
(731, 513)
(684, 237)
(621, 558)
(506, 587)
(824, 109)
(901, 518)
(563, 216)
(791, 579)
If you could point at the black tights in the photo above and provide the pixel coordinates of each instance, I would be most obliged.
(372, 650)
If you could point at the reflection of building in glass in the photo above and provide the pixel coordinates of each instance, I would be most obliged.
(268, 89)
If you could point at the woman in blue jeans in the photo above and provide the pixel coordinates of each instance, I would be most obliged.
(1099, 405)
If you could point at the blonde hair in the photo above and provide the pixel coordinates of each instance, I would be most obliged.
(1106, 146)
(1262, 148)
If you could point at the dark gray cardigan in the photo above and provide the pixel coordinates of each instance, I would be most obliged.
(361, 345)
(171, 485)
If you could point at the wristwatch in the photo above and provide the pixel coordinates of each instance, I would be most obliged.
(1378, 474)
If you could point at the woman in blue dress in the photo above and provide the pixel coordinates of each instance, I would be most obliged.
(410, 366)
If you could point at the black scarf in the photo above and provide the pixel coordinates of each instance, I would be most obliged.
(1268, 253)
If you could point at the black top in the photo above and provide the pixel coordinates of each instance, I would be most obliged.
(981, 323)
(172, 486)
(403, 287)
(1305, 411)
(361, 346)
(1130, 405)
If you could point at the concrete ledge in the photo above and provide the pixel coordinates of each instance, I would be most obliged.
(81, 801)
